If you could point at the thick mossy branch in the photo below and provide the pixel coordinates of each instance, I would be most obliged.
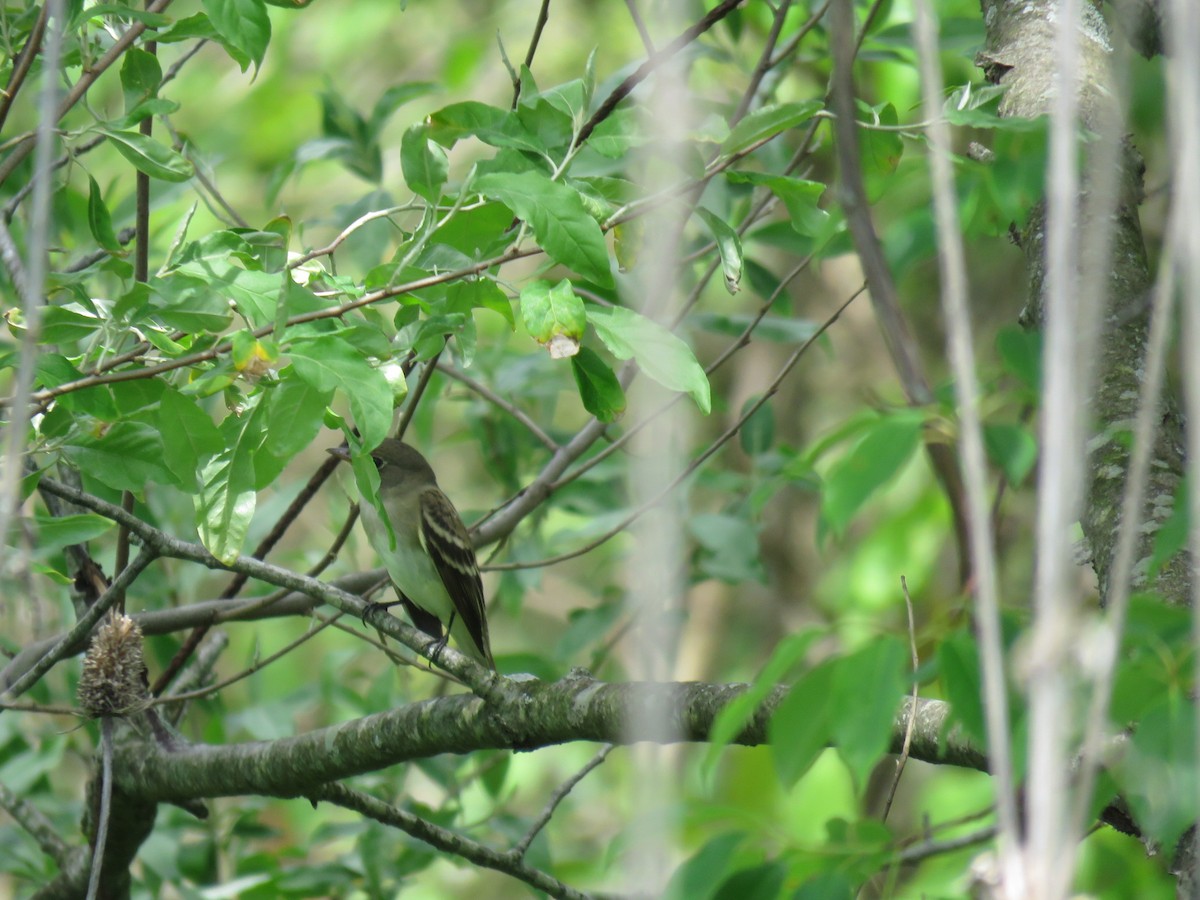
(526, 716)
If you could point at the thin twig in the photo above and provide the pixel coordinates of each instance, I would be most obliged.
(23, 63)
(278, 530)
(522, 846)
(86, 622)
(716, 445)
(923, 851)
(640, 25)
(892, 324)
(496, 400)
(625, 88)
(443, 839)
(912, 712)
(764, 63)
(257, 666)
(538, 26)
(981, 546)
(414, 397)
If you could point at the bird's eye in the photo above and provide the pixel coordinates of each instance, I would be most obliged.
(379, 463)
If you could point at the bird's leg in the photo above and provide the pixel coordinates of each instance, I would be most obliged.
(445, 639)
(375, 605)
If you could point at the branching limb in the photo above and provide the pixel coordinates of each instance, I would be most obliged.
(35, 822)
(522, 846)
(896, 334)
(695, 464)
(443, 839)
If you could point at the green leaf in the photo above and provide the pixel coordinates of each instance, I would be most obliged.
(554, 316)
(879, 150)
(99, 220)
(730, 721)
(242, 24)
(558, 218)
(423, 163)
(494, 126)
(482, 293)
(802, 726)
(188, 434)
(698, 877)
(888, 444)
(190, 304)
(729, 245)
(599, 388)
(826, 886)
(761, 882)
(799, 197)
(140, 76)
(1172, 535)
(766, 123)
(1021, 353)
(149, 156)
(329, 363)
(758, 432)
(660, 354)
(100, 10)
(728, 547)
(618, 134)
(125, 457)
(226, 501)
(54, 532)
(1157, 772)
(958, 668)
(61, 324)
(1012, 448)
(295, 410)
(395, 97)
(867, 684)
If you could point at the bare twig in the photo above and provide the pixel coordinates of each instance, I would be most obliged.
(90, 618)
(896, 335)
(640, 25)
(32, 282)
(88, 77)
(522, 846)
(982, 548)
(696, 463)
(443, 839)
(908, 730)
(625, 88)
(496, 400)
(23, 63)
(34, 821)
(928, 849)
(534, 40)
(257, 666)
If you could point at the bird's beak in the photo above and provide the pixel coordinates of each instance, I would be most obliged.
(342, 453)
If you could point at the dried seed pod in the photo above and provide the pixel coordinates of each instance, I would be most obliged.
(113, 682)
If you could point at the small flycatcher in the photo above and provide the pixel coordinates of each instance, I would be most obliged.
(432, 566)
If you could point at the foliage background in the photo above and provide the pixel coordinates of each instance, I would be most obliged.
(789, 572)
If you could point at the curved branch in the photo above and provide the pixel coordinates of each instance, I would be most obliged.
(526, 716)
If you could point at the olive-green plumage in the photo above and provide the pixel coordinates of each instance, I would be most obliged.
(432, 566)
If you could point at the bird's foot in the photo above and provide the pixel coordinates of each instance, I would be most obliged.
(374, 607)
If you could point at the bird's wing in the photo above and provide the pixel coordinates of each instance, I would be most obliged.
(449, 546)
(426, 621)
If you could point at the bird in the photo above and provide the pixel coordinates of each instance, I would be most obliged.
(432, 566)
